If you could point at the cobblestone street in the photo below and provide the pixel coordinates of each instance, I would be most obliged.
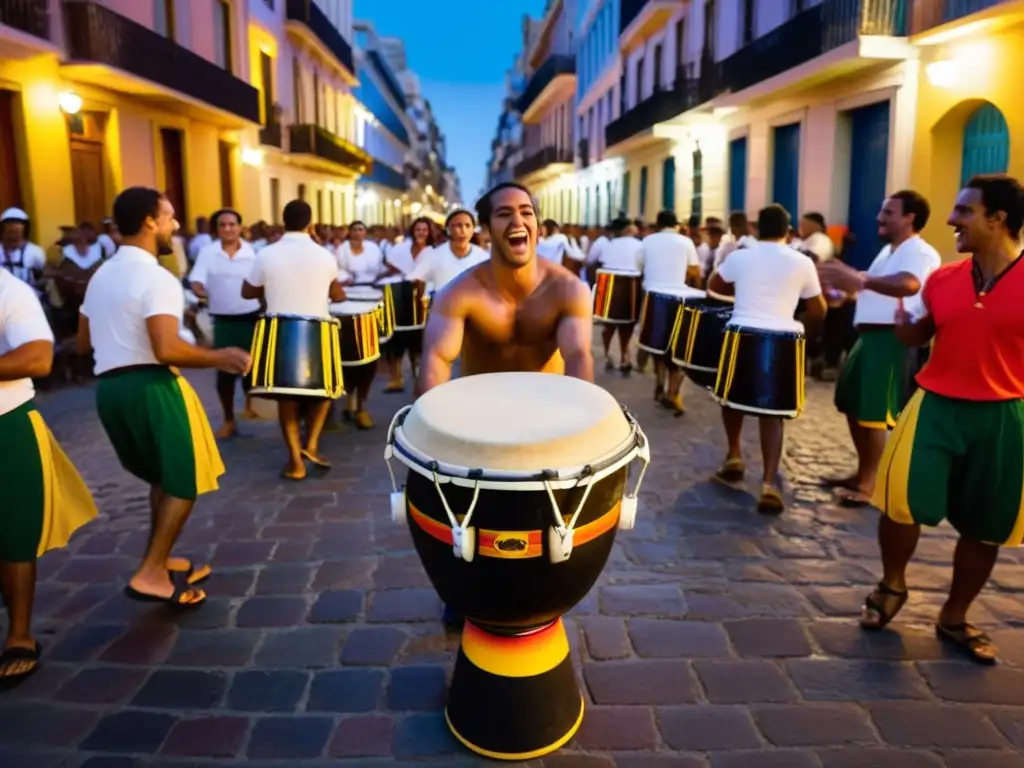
(715, 638)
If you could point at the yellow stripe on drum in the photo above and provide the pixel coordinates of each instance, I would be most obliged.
(892, 491)
(518, 656)
(67, 502)
(519, 756)
(208, 464)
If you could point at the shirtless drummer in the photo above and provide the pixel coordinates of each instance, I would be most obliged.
(514, 312)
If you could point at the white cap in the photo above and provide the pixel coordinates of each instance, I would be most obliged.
(15, 214)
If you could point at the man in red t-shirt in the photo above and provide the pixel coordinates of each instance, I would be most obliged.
(957, 452)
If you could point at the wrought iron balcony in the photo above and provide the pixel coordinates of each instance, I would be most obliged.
(553, 66)
(31, 16)
(386, 176)
(929, 14)
(96, 34)
(270, 135)
(542, 159)
(306, 139)
(308, 13)
(583, 150)
(812, 33)
(389, 79)
(657, 108)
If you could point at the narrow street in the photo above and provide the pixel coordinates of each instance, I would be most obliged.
(715, 638)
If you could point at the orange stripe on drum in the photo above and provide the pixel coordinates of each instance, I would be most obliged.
(526, 655)
(515, 545)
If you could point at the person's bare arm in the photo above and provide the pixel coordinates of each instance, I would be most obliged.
(200, 290)
(32, 360)
(815, 309)
(575, 332)
(336, 292)
(170, 349)
(442, 341)
(251, 291)
(911, 333)
(693, 275)
(83, 339)
(717, 284)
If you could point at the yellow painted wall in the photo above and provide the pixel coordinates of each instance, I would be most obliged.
(987, 70)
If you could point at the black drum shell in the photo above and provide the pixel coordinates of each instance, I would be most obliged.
(509, 595)
(351, 354)
(410, 305)
(707, 347)
(768, 375)
(298, 356)
(624, 303)
(657, 320)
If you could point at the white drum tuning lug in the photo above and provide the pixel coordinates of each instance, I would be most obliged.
(464, 543)
(627, 513)
(398, 506)
(559, 544)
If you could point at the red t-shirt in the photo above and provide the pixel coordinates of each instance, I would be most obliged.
(978, 353)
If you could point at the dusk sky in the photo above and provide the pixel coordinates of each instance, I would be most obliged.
(460, 49)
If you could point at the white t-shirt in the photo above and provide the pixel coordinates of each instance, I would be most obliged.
(596, 249)
(88, 260)
(400, 256)
(197, 243)
(21, 321)
(128, 288)
(296, 275)
(364, 267)
(820, 245)
(622, 254)
(914, 256)
(222, 276)
(665, 256)
(746, 241)
(555, 247)
(439, 266)
(769, 279)
(21, 261)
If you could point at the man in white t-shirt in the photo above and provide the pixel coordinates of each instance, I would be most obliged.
(668, 259)
(622, 254)
(131, 319)
(556, 246)
(875, 381)
(22, 258)
(447, 261)
(814, 239)
(739, 237)
(769, 281)
(45, 499)
(295, 276)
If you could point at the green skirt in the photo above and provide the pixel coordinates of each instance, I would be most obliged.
(872, 385)
(234, 330)
(45, 499)
(159, 430)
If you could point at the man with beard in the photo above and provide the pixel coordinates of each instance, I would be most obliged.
(957, 451)
(871, 388)
(131, 320)
(514, 312)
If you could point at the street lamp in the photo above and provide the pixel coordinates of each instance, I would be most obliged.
(70, 103)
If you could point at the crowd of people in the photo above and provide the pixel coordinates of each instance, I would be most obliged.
(525, 303)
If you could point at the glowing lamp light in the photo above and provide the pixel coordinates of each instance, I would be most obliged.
(416, 207)
(396, 203)
(253, 157)
(942, 74)
(70, 103)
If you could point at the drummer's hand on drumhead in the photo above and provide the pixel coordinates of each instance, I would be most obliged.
(235, 360)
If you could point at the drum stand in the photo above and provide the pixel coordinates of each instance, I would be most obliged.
(514, 697)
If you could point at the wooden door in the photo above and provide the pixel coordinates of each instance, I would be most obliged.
(87, 181)
(869, 153)
(10, 184)
(174, 172)
(227, 187)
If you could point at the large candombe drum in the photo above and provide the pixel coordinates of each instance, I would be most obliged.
(296, 356)
(516, 487)
(661, 314)
(697, 346)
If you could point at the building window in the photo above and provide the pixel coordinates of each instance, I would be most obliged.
(296, 90)
(747, 31)
(797, 6)
(222, 34)
(681, 43)
(163, 18)
(639, 81)
(643, 191)
(316, 97)
(709, 30)
(697, 200)
(275, 200)
(657, 67)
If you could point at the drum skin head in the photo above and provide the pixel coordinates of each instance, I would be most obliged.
(517, 422)
(683, 291)
(364, 293)
(354, 308)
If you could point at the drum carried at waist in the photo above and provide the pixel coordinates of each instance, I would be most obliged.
(409, 300)
(516, 486)
(379, 298)
(661, 314)
(359, 330)
(762, 371)
(697, 346)
(617, 297)
(296, 355)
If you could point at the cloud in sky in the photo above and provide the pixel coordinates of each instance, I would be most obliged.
(460, 49)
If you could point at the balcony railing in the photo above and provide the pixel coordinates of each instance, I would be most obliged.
(386, 176)
(583, 150)
(389, 79)
(31, 16)
(98, 35)
(313, 140)
(657, 108)
(930, 13)
(307, 12)
(270, 135)
(553, 66)
(542, 159)
(816, 31)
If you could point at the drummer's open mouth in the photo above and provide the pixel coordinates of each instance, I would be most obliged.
(518, 240)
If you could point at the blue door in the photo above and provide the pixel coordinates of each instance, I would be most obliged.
(597, 204)
(986, 143)
(869, 160)
(738, 175)
(625, 193)
(611, 201)
(643, 191)
(786, 168)
(668, 184)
